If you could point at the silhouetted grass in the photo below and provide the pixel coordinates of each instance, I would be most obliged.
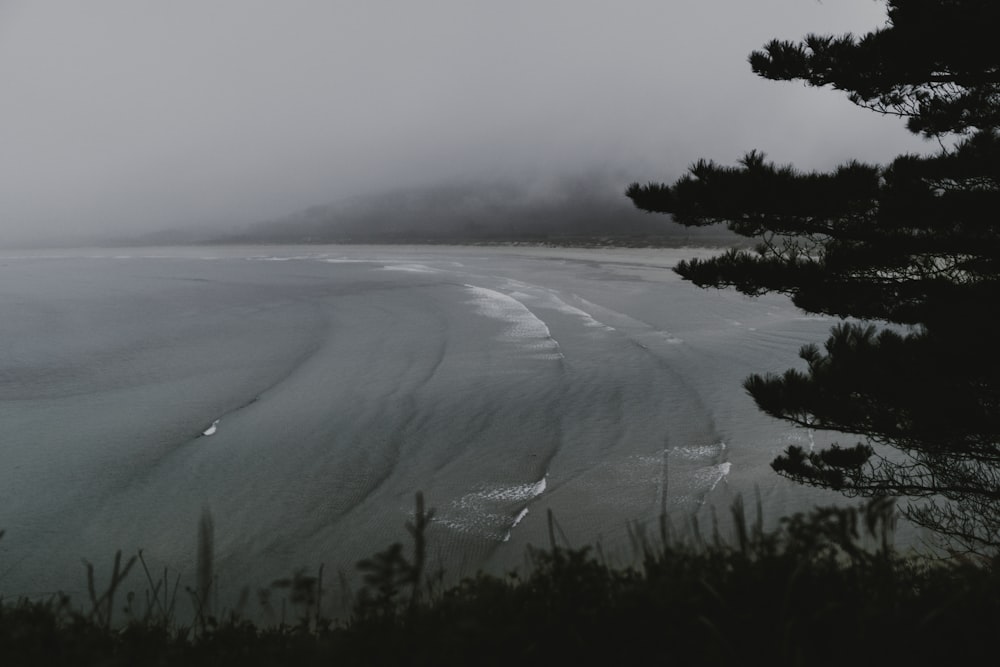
(825, 588)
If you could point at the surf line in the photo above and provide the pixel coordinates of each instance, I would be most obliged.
(533, 492)
(214, 427)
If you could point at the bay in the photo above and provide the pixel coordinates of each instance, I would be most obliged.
(303, 395)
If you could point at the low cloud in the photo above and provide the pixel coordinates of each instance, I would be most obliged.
(124, 118)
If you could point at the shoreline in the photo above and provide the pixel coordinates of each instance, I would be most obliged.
(652, 256)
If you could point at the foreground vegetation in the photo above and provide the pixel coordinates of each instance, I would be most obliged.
(824, 588)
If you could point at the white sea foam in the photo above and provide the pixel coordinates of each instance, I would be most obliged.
(410, 268)
(523, 326)
(489, 512)
(799, 437)
(285, 258)
(520, 515)
(696, 452)
(517, 492)
(588, 319)
(712, 475)
(512, 284)
(547, 298)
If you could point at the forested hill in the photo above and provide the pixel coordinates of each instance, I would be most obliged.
(572, 213)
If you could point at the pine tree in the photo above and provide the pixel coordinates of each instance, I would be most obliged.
(907, 253)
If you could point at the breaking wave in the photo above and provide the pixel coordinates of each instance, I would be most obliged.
(523, 327)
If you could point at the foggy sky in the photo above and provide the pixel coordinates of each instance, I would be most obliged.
(142, 114)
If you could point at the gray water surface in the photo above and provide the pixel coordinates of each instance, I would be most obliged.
(336, 382)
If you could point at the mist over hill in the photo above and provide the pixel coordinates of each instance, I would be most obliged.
(589, 210)
(580, 210)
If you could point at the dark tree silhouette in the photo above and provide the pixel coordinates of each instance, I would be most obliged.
(907, 253)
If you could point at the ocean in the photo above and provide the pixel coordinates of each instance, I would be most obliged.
(303, 396)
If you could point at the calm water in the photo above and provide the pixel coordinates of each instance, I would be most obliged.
(335, 382)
